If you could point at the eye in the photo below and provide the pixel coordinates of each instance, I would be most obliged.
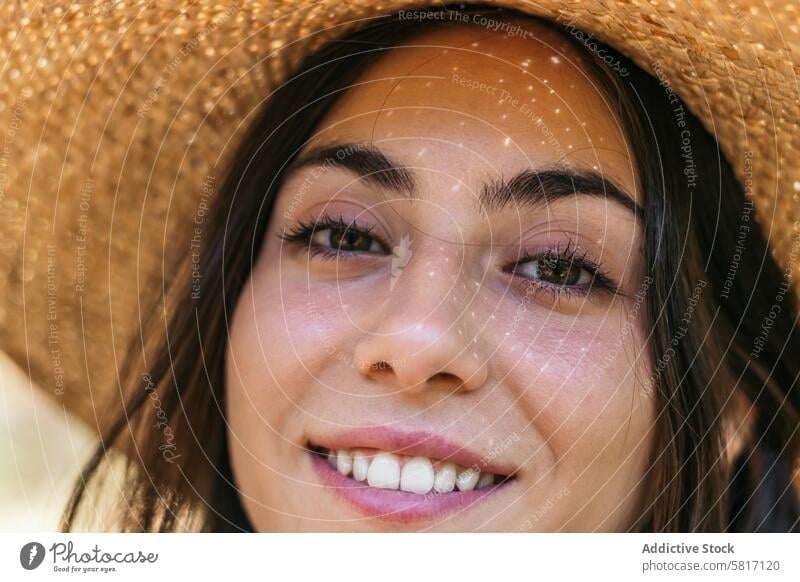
(564, 271)
(347, 239)
(552, 269)
(332, 238)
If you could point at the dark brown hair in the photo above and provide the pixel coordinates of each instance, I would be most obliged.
(710, 365)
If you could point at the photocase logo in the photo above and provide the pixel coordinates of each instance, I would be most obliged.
(401, 255)
(31, 555)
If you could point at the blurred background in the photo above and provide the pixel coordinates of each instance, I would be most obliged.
(42, 449)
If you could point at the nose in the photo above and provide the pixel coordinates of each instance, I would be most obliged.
(422, 339)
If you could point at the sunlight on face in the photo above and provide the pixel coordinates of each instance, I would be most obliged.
(446, 304)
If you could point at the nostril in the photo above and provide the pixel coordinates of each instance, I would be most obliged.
(444, 376)
(380, 366)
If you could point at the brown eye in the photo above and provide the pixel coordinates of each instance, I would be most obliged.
(345, 240)
(555, 270)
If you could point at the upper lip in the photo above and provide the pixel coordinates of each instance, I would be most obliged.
(414, 442)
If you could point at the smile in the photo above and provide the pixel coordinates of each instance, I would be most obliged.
(404, 477)
(418, 474)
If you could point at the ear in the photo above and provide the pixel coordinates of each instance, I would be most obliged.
(737, 424)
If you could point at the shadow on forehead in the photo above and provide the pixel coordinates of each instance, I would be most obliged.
(519, 37)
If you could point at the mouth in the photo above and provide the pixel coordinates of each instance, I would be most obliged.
(399, 482)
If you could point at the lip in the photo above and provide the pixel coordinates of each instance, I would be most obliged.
(412, 443)
(395, 505)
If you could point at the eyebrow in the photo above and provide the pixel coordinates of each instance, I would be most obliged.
(528, 188)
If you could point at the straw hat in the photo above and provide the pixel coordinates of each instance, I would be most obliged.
(116, 119)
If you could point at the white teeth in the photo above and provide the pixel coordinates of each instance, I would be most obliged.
(445, 480)
(417, 476)
(344, 462)
(467, 479)
(485, 480)
(360, 466)
(384, 471)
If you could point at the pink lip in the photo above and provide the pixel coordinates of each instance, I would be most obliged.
(397, 506)
(394, 505)
(412, 443)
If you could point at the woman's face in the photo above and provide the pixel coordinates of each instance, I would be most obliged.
(469, 354)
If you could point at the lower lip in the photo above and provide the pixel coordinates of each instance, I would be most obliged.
(394, 505)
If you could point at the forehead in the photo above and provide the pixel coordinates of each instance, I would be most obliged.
(464, 97)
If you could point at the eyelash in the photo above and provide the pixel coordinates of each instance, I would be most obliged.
(570, 255)
(301, 232)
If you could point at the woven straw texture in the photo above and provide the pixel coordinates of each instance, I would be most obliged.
(116, 119)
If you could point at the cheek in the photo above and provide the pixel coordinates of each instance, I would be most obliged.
(283, 337)
(277, 336)
(583, 387)
(257, 374)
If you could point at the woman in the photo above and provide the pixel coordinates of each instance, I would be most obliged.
(467, 271)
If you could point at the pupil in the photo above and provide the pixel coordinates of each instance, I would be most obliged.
(558, 271)
(350, 238)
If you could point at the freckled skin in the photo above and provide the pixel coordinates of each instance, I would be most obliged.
(474, 357)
